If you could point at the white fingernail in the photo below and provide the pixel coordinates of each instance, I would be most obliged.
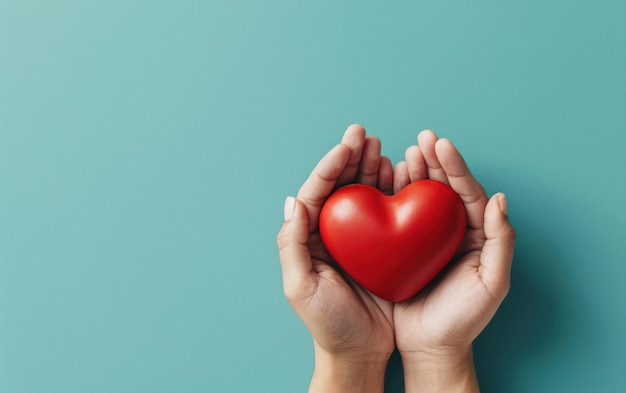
(290, 204)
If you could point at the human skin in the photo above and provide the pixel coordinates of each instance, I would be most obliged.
(355, 332)
(435, 329)
(352, 329)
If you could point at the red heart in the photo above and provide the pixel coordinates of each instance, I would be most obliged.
(393, 246)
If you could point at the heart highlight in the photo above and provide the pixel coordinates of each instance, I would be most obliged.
(393, 246)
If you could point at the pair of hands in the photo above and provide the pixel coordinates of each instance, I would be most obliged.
(355, 332)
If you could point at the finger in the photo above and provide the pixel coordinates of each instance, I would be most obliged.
(370, 161)
(321, 182)
(385, 176)
(354, 138)
(415, 163)
(497, 253)
(294, 255)
(400, 177)
(426, 141)
(463, 182)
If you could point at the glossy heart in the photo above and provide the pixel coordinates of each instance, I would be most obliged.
(393, 246)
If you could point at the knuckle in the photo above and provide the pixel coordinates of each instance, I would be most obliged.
(291, 292)
(505, 289)
(497, 286)
(306, 199)
(282, 240)
(298, 290)
(511, 233)
(287, 291)
(502, 288)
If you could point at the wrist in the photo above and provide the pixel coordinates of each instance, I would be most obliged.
(445, 370)
(337, 373)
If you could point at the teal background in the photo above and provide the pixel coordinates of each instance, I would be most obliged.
(146, 148)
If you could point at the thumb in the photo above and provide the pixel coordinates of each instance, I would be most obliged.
(295, 258)
(497, 253)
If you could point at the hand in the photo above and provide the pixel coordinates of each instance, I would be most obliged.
(435, 329)
(352, 329)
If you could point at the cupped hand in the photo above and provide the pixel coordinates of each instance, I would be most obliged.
(346, 322)
(444, 318)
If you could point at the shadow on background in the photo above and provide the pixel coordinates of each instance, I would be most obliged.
(532, 326)
(394, 376)
(529, 326)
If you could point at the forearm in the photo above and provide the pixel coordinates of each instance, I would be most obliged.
(441, 372)
(335, 374)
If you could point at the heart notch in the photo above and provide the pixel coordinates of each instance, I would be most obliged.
(393, 246)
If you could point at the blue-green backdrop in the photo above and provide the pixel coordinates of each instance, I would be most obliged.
(146, 148)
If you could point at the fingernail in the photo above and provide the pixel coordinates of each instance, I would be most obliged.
(290, 204)
(502, 203)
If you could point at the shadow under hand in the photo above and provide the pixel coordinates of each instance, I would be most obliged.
(529, 328)
(394, 375)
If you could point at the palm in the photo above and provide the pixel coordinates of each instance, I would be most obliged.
(355, 319)
(344, 318)
(453, 309)
(438, 315)
(341, 316)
